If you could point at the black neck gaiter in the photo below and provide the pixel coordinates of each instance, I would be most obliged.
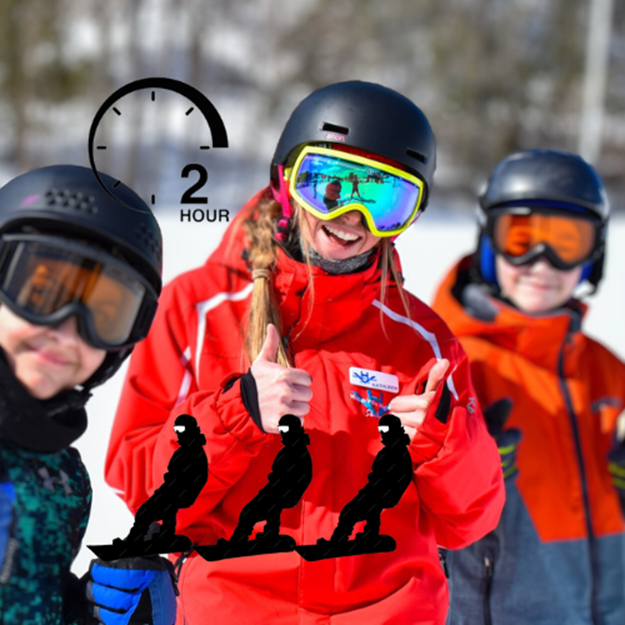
(42, 426)
(335, 267)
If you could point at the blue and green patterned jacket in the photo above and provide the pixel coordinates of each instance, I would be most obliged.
(45, 498)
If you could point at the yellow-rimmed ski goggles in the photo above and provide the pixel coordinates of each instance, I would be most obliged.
(328, 183)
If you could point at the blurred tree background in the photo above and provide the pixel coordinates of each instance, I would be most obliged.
(493, 76)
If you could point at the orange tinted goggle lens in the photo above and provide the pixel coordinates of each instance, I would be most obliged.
(42, 280)
(572, 239)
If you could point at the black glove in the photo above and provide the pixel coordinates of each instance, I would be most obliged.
(616, 467)
(132, 591)
(495, 415)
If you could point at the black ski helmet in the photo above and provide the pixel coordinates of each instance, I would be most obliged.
(68, 201)
(191, 432)
(390, 420)
(554, 178)
(365, 116)
(396, 431)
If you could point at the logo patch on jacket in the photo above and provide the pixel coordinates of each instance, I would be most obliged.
(373, 403)
(50, 481)
(374, 379)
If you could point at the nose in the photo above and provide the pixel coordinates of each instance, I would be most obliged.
(351, 218)
(541, 264)
(67, 330)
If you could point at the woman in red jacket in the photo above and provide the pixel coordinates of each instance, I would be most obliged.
(301, 311)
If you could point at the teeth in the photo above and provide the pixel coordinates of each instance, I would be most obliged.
(344, 236)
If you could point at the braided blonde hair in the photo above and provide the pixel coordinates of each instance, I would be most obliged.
(262, 258)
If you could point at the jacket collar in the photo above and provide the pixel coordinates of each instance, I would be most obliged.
(317, 306)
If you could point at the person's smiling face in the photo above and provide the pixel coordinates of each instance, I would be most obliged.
(536, 287)
(47, 359)
(340, 238)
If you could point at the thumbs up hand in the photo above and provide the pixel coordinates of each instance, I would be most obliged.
(280, 390)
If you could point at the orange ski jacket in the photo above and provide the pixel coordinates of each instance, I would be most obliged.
(567, 391)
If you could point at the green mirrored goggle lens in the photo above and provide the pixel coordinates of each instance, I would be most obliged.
(330, 183)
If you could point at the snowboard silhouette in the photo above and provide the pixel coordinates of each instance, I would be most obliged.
(291, 473)
(187, 473)
(391, 473)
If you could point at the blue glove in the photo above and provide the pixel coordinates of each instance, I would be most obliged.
(495, 415)
(133, 591)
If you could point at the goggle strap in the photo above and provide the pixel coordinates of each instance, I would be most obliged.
(282, 196)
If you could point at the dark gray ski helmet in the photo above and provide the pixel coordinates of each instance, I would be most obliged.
(549, 175)
(67, 199)
(365, 116)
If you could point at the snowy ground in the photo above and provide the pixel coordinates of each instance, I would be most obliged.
(427, 251)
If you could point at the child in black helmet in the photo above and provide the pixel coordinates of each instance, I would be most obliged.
(551, 396)
(79, 282)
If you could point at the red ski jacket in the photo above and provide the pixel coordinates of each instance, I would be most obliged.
(196, 345)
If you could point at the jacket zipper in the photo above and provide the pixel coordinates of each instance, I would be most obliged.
(592, 543)
(488, 581)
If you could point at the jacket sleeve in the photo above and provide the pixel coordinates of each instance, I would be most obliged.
(76, 608)
(161, 385)
(457, 464)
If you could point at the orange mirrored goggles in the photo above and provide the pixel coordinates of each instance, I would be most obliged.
(566, 240)
(46, 279)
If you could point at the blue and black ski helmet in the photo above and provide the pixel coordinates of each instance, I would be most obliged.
(545, 179)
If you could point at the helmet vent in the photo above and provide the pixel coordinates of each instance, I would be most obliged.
(420, 157)
(147, 238)
(327, 126)
(78, 201)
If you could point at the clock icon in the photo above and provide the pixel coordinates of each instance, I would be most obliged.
(156, 136)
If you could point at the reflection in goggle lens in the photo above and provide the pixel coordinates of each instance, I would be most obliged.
(326, 183)
(42, 279)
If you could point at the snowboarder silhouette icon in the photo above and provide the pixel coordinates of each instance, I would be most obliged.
(291, 473)
(187, 473)
(391, 473)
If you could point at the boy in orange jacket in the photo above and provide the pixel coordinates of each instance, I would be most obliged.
(558, 553)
